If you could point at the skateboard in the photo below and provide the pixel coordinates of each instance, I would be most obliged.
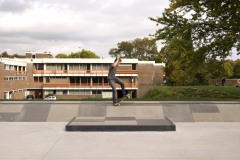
(123, 98)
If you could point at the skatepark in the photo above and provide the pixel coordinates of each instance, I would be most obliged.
(37, 130)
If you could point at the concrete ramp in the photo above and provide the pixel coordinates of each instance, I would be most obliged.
(64, 111)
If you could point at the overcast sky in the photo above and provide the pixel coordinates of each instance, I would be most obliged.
(65, 26)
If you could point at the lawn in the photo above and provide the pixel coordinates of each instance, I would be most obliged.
(193, 93)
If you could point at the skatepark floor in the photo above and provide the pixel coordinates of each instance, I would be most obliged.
(50, 141)
(36, 131)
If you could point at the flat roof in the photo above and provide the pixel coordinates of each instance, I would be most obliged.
(21, 61)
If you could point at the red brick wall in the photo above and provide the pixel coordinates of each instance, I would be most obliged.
(11, 85)
(149, 76)
(1, 81)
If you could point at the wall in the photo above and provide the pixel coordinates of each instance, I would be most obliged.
(18, 95)
(30, 78)
(12, 86)
(78, 96)
(149, 76)
(1, 80)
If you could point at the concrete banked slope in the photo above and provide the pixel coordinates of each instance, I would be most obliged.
(136, 114)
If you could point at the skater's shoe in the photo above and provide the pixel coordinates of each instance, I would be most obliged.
(116, 104)
(126, 96)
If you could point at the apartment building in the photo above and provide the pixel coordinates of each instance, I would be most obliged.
(74, 78)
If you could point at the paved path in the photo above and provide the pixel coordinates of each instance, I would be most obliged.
(49, 141)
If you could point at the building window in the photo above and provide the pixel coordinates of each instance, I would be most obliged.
(134, 66)
(85, 80)
(6, 67)
(88, 67)
(50, 66)
(59, 92)
(96, 92)
(38, 79)
(97, 67)
(74, 80)
(38, 66)
(47, 79)
(79, 92)
(106, 66)
(15, 78)
(96, 79)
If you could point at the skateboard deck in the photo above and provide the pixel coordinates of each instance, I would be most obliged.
(123, 98)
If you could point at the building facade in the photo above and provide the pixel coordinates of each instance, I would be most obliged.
(75, 78)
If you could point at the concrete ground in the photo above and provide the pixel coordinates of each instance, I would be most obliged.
(49, 141)
(36, 131)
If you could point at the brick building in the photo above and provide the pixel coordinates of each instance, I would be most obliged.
(73, 78)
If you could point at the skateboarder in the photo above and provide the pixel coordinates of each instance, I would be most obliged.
(112, 79)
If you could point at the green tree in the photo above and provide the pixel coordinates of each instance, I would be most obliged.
(125, 50)
(142, 49)
(17, 56)
(5, 54)
(88, 54)
(61, 55)
(236, 69)
(227, 69)
(215, 24)
(194, 33)
(83, 54)
(219, 69)
(179, 67)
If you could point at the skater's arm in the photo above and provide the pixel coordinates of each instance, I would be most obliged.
(116, 61)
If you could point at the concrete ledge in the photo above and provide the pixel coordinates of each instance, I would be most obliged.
(119, 124)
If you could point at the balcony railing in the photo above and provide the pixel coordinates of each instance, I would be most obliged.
(20, 72)
(98, 85)
(82, 72)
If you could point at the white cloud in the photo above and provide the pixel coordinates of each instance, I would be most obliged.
(63, 26)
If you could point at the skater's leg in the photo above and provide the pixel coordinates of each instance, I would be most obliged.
(119, 81)
(112, 84)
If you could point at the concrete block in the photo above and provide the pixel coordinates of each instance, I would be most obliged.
(62, 112)
(11, 108)
(204, 108)
(34, 112)
(230, 112)
(148, 111)
(92, 110)
(8, 117)
(207, 117)
(121, 111)
(121, 124)
(178, 112)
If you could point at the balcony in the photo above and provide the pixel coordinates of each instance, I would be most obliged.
(83, 72)
(85, 85)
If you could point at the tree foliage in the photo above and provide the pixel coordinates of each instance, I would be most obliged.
(194, 33)
(214, 24)
(5, 54)
(142, 49)
(61, 55)
(236, 69)
(81, 54)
